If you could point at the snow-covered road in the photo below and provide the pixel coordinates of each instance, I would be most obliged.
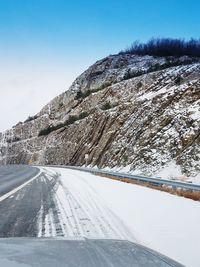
(97, 207)
(73, 204)
(79, 211)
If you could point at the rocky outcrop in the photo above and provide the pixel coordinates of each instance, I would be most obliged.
(125, 110)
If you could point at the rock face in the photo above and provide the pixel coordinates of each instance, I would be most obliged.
(124, 110)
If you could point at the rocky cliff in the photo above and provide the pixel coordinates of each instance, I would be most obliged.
(125, 110)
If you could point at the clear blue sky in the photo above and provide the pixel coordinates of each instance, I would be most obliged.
(52, 41)
(92, 28)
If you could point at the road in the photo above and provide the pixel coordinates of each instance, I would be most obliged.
(12, 176)
(45, 207)
(19, 211)
(39, 203)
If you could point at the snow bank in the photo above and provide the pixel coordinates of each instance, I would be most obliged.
(170, 171)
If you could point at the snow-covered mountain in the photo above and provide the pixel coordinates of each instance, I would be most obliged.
(138, 112)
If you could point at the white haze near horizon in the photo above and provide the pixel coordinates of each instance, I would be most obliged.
(26, 88)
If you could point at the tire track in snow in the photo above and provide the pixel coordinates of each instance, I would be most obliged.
(80, 211)
(109, 223)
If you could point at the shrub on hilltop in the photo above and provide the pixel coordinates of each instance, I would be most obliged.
(166, 47)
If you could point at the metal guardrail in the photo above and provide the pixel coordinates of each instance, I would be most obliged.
(137, 178)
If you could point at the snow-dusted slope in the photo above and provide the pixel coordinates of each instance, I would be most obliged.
(125, 110)
(96, 207)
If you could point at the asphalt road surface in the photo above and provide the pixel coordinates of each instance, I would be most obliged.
(19, 212)
(11, 176)
(35, 204)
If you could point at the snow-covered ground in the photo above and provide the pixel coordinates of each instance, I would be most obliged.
(98, 207)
